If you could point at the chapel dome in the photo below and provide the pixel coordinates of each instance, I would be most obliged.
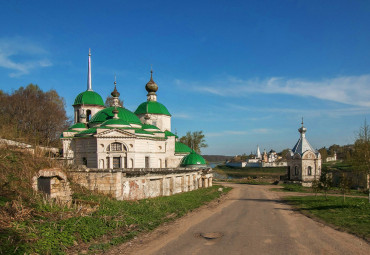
(88, 98)
(193, 159)
(151, 86)
(152, 107)
(107, 114)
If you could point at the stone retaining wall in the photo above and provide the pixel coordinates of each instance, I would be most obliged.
(139, 184)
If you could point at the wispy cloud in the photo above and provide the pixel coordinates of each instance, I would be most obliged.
(335, 113)
(21, 56)
(352, 90)
(238, 132)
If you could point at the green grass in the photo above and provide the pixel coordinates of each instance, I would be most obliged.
(301, 189)
(352, 215)
(255, 172)
(113, 223)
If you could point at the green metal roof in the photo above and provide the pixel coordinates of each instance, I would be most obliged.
(152, 107)
(148, 126)
(168, 133)
(120, 122)
(78, 125)
(181, 148)
(89, 97)
(193, 159)
(123, 114)
(87, 132)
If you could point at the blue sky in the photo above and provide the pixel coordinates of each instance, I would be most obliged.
(244, 72)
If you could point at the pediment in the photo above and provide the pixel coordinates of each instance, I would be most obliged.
(115, 133)
(309, 155)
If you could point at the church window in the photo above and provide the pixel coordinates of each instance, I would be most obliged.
(115, 147)
(296, 171)
(84, 161)
(88, 115)
(146, 162)
(309, 170)
(116, 162)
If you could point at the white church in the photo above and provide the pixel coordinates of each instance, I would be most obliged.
(116, 138)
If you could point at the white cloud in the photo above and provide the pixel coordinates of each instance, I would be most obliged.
(238, 132)
(21, 56)
(352, 90)
(336, 113)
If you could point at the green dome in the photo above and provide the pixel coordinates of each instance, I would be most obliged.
(193, 159)
(181, 148)
(115, 122)
(123, 114)
(152, 107)
(88, 98)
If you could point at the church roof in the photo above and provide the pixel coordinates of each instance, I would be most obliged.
(123, 114)
(115, 122)
(150, 127)
(152, 107)
(181, 148)
(77, 126)
(168, 133)
(89, 98)
(302, 146)
(193, 159)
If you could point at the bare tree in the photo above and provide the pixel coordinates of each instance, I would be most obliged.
(32, 115)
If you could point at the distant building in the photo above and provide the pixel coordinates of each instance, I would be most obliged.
(334, 158)
(304, 162)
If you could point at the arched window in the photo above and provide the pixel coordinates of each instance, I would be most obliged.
(309, 170)
(296, 171)
(88, 115)
(116, 147)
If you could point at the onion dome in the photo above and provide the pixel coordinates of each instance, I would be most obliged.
(181, 148)
(107, 114)
(115, 123)
(152, 107)
(151, 86)
(115, 93)
(193, 160)
(302, 144)
(88, 98)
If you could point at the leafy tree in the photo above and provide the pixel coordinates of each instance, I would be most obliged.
(325, 182)
(361, 153)
(324, 153)
(109, 102)
(195, 140)
(315, 186)
(283, 153)
(344, 185)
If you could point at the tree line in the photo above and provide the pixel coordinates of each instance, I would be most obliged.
(31, 115)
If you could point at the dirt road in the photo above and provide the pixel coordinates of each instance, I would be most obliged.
(251, 220)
